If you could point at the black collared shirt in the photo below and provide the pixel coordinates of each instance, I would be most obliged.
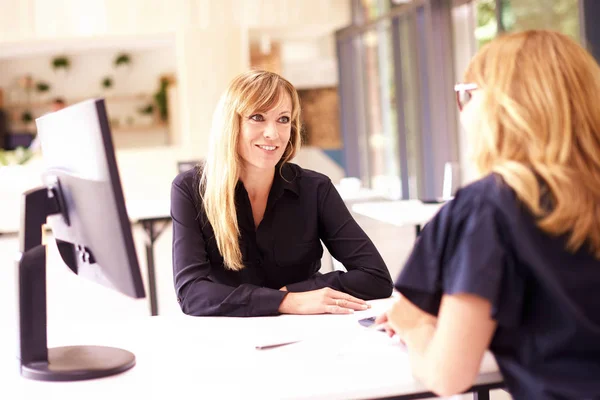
(302, 210)
(544, 299)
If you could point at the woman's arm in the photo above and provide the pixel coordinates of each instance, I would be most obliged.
(196, 292)
(368, 277)
(445, 354)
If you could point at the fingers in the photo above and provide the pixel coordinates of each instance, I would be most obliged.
(345, 296)
(349, 304)
(333, 309)
(381, 319)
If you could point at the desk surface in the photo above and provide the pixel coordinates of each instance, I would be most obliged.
(398, 212)
(216, 358)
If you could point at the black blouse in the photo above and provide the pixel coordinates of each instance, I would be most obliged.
(285, 250)
(545, 300)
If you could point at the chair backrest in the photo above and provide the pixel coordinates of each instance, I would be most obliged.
(14, 140)
(183, 166)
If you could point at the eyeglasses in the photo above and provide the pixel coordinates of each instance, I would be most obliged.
(463, 93)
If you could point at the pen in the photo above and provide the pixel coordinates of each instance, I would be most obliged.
(274, 345)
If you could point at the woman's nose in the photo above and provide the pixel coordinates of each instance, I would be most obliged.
(271, 131)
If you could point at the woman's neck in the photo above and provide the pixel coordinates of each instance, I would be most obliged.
(257, 182)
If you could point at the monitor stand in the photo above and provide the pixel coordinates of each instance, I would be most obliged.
(37, 361)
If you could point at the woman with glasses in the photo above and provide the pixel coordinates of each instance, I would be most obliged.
(512, 264)
(248, 225)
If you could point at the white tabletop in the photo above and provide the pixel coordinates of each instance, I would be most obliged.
(216, 358)
(398, 212)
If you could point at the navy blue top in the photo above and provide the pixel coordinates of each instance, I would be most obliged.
(545, 300)
(303, 209)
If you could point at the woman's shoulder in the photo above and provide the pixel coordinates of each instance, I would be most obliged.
(189, 181)
(188, 177)
(490, 191)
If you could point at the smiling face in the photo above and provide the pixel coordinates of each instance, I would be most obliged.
(265, 135)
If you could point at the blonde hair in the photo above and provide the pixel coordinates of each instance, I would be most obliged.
(248, 93)
(540, 129)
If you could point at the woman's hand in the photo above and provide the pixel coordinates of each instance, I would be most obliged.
(383, 319)
(322, 301)
(405, 317)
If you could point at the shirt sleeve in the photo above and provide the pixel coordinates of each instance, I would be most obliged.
(368, 277)
(462, 250)
(196, 292)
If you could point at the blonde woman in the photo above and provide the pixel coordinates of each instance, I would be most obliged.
(248, 225)
(512, 264)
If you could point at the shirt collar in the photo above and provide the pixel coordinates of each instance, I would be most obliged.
(286, 179)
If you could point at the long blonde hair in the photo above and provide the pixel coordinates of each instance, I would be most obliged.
(248, 93)
(540, 122)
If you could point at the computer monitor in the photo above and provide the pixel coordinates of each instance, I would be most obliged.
(82, 202)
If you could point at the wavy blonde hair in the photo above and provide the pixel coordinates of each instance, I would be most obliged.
(540, 129)
(248, 93)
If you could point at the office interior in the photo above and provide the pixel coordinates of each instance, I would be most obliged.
(375, 78)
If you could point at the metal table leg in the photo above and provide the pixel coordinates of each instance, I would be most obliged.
(151, 236)
(417, 230)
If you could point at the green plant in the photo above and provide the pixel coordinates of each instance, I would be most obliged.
(61, 62)
(26, 117)
(42, 87)
(147, 110)
(19, 156)
(122, 59)
(160, 98)
(107, 82)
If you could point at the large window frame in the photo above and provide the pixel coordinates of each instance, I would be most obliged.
(437, 140)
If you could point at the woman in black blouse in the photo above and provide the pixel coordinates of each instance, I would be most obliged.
(513, 262)
(248, 225)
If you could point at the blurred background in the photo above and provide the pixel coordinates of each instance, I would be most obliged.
(375, 78)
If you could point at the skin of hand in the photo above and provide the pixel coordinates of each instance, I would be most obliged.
(321, 301)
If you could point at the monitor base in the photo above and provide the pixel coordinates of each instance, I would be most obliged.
(76, 363)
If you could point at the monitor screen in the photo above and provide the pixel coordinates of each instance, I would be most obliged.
(77, 150)
(82, 201)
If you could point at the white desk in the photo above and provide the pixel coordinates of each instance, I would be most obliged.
(208, 358)
(399, 212)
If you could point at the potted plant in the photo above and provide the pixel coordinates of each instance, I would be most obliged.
(42, 88)
(122, 62)
(147, 113)
(61, 63)
(160, 98)
(107, 83)
(27, 119)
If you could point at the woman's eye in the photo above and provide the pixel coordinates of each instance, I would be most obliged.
(257, 118)
(284, 120)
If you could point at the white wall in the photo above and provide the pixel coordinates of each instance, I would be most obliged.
(33, 20)
(311, 62)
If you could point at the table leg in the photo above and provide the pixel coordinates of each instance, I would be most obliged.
(151, 236)
(149, 228)
(483, 394)
(418, 230)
